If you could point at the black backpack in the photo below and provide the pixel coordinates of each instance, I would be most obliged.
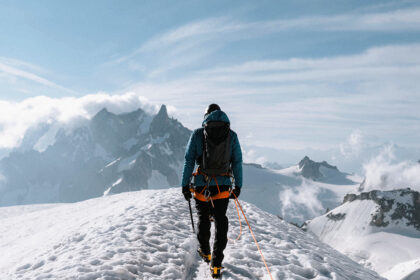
(216, 148)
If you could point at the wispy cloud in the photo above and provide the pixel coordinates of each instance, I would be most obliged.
(403, 19)
(375, 57)
(195, 42)
(185, 37)
(298, 102)
(13, 69)
(396, 20)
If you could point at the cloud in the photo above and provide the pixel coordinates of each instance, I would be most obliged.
(374, 62)
(354, 144)
(17, 117)
(193, 42)
(396, 20)
(382, 173)
(186, 37)
(301, 201)
(228, 29)
(314, 102)
(13, 69)
(252, 156)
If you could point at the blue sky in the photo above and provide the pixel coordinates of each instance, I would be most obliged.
(290, 74)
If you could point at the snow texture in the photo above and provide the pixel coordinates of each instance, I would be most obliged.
(385, 248)
(147, 235)
(406, 271)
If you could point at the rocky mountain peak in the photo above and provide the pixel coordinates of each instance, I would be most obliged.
(394, 207)
(163, 112)
(311, 169)
(161, 123)
(322, 171)
(102, 114)
(305, 161)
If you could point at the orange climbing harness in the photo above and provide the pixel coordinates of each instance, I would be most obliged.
(206, 197)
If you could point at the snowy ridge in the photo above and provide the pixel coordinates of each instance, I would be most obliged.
(379, 229)
(147, 235)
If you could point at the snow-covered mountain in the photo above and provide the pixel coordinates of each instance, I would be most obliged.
(109, 153)
(147, 235)
(291, 195)
(112, 153)
(380, 229)
(321, 172)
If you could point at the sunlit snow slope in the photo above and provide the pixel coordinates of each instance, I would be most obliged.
(377, 229)
(147, 235)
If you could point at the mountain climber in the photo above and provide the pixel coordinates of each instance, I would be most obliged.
(216, 150)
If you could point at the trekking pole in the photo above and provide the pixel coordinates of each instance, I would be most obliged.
(192, 220)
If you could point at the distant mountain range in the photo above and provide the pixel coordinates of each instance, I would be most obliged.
(113, 153)
(107, 154)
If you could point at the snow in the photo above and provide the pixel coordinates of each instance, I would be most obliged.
(408, 270)
(289, 171)
(128, 162)
(113, 185)
(113, 162)
(147, 235)
(48, 139)
(381, 249)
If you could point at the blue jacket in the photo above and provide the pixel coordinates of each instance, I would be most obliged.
(195, 150)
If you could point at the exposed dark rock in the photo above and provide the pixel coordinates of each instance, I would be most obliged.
(322, 171)
(391, 205)
(310, 168)
(336, 217)
(256, 165)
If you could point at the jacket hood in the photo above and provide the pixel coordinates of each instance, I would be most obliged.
(217, 115)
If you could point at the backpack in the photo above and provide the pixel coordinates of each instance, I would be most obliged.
(216, 148)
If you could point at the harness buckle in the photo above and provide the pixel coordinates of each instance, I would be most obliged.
(207, 193)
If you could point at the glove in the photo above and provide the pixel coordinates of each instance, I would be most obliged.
(186, 192)
(235, 192)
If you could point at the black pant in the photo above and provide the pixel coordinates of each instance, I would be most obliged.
(204, 210)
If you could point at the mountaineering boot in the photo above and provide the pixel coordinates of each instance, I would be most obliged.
(205, 257)
(216, 271)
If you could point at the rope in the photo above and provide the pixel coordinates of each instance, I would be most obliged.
(253, 236)
(240, 223)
